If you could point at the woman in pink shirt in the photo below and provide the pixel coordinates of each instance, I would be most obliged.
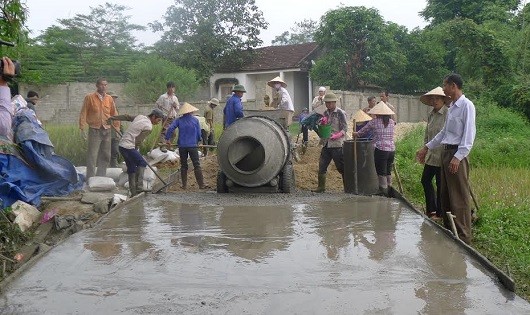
(382, 128)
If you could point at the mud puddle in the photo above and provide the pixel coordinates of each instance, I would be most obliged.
(204, 253)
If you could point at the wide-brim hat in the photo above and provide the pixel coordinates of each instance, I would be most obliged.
(239, 88)
(276, 80)
(330, 97)
(437, 91)
(112, 94)
(214, 101)
(361, 116)
(187, 108)
(381, 109)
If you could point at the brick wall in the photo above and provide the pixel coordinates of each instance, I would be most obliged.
(62, 103)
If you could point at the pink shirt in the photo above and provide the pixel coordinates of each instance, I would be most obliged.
(383, 136)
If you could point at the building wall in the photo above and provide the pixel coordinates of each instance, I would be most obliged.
(62, 103)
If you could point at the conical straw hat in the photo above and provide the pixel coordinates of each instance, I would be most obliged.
(381, 109)
(438, 91)
(187, 108)
(276, 80)
(361, 116)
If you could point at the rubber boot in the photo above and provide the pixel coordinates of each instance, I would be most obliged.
(140, 179)
(389, 184)
(184, 178)
(383, 187)
(199, 178)
(132, 184)
(321, 184)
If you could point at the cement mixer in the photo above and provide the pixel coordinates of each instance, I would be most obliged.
(254, 155)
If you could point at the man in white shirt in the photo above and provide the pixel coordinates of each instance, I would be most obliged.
(456, 137)
(131, 139)
(168, 103)
(284, 98)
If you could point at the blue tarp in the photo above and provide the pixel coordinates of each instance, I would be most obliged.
(37, 171)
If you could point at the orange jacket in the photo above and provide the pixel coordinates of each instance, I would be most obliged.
(95, 112)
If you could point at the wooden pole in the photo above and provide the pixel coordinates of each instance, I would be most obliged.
(355, 178)
(398, 178)
(451, 218)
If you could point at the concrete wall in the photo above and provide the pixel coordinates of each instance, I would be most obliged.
(62, 103)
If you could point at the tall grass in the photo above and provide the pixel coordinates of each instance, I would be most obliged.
(500, 178)
(69, 142)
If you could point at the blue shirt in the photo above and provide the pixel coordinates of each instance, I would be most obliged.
(189, 131)
(233, 110)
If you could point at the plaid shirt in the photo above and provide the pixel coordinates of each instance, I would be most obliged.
(383, 136)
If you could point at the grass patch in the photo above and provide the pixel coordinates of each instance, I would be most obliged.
(500, 177)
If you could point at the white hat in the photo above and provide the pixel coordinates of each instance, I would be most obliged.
(276, 80)
(381, 109)
(361, 116)
(187, 108)
(437, 91)
(322, 89)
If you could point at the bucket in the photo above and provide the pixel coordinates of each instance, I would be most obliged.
(366, 183)
(324, 131)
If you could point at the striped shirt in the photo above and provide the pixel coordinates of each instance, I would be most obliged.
(383, 136)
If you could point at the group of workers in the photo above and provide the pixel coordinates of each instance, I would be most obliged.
(448, 140)
(99, 112)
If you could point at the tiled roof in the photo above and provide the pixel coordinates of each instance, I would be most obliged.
(279, 57)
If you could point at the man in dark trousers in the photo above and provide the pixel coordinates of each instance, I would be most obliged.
(131, 139)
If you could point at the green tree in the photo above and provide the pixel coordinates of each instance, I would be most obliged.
(361, 49)
(198, 33)
(13, 15)
(87, 46)
(301, 33)
(148, 78)
(439, 11)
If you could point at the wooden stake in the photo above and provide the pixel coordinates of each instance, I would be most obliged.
(451, 218)
(398, 178)
(355, 178)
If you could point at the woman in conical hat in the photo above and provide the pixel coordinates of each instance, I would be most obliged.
(361, 119)
(383, 137)
(188, 139)
(433, 160)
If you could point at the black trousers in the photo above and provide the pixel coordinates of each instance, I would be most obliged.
(432, 196)
(194, 156)
(383, 162)
(305, 134)
(328, 154)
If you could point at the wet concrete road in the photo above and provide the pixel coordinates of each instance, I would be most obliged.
(227, 255)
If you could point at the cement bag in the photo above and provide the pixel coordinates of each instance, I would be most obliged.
(123, 179)
(81, 170)
(26, 214)
(149, 175)
(114, 173)
(172, 156)
(157, 156)
(99, 183)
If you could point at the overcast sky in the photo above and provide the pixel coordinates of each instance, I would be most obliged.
(280, 14)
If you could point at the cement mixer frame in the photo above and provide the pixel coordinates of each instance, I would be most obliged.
(254, 155)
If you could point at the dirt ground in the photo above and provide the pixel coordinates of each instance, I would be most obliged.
(306, 168)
